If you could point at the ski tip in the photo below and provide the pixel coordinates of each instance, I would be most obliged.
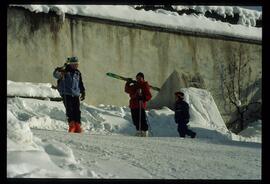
(110, 74)
(155, 88)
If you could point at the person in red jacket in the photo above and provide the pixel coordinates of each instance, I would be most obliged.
(139, 93)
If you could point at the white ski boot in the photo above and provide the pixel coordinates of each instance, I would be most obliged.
(138, 133)
(145, 134)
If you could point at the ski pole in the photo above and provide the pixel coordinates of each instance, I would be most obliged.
(65, 98)
(140, 112)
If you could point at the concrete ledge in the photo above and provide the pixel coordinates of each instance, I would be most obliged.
(152, 28)
(161, 29)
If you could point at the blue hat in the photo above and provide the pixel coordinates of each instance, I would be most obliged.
(72, 60)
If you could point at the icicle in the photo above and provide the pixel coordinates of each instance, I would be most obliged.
(63, 17)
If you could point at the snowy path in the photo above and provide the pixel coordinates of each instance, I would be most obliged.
(120, 156)
(38, 145)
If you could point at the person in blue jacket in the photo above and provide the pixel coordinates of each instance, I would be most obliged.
(71, 89)
(181, 115)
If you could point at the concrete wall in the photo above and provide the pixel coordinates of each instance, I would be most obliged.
(37, 43)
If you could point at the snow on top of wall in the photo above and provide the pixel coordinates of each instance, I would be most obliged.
(247, 17)
(166, 19)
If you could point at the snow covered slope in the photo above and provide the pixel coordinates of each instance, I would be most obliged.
(38, 144)
(104, 119)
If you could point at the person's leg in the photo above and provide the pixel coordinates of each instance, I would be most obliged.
(144, 124)
(135, 117)
(76, 114)
(181, 129)
(68, 107)
(190, 133)
(143, 120)
(68, 102)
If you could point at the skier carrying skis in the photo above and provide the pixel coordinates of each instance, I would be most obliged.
(181, 115)
(139, 93)
(71, 88)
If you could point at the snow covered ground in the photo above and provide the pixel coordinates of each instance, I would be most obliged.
(166, 19)
(38, 145)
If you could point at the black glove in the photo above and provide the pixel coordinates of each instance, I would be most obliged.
(61, 69)
(82, 96)
(130, 80)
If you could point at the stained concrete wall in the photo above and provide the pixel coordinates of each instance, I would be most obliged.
(37, 43)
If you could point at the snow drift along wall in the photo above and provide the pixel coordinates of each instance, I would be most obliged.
(38, 42)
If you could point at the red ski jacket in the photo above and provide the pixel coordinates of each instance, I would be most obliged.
(133, 91)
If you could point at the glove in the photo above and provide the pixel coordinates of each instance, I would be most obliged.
(59, 72)
(82, 96)
(130, 80)
(60, 69)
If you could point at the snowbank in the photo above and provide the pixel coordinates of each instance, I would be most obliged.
(253, 131)
(28, 156)
(31, 89)
(205, 117)
(53, 155)
(165, 19)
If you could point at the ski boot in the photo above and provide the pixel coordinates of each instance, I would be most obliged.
(145, 134)
(193, 135)
(78, 128)
(138, 133)
(72, 126)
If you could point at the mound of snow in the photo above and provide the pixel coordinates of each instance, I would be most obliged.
(253, 131)
(205, 118)
(56, 154)
(31, 89)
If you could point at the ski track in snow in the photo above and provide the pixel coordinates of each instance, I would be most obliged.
(158, 158)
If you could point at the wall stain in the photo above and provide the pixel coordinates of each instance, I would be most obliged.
(34, 21)
(132, 36)
(72, 36)
(161, 42)
(119, 47)
(192, 44)
(55, 26)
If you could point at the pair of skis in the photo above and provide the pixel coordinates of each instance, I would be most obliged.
(121, 78)
(126, 79)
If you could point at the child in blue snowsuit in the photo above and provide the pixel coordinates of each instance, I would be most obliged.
(181, 115)
(71, 88)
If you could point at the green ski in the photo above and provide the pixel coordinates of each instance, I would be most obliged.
(126, 79)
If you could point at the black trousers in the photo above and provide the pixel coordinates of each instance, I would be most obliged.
(183, 129)
(135, 114)
(72, 105)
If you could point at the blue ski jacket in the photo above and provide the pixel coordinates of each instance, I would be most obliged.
(69, 81)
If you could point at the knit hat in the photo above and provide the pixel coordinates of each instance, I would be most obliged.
(140, 74)
(72, 60)
(179, 94)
